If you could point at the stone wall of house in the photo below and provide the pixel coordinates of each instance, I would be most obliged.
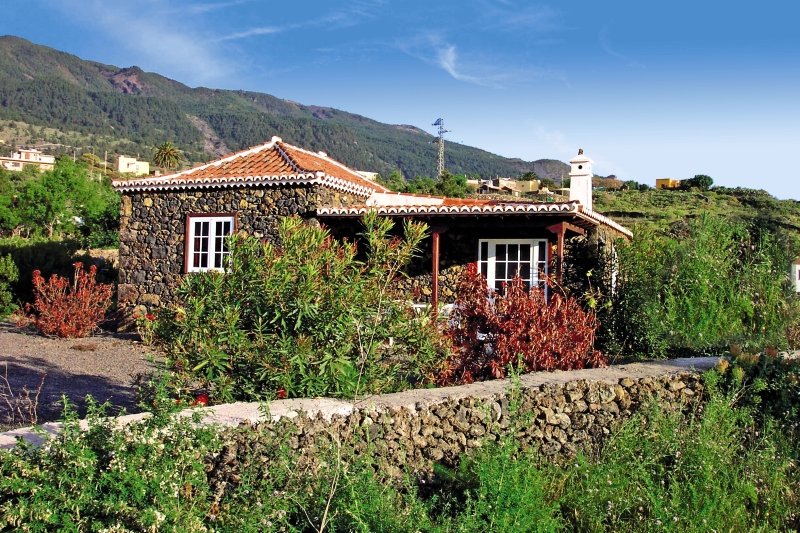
(153, 225)
(593, 253)
(456, 251)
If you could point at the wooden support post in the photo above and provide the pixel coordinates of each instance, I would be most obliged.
(435, 272)
(560, 253)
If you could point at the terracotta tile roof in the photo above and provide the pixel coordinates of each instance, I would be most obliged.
(273, 163)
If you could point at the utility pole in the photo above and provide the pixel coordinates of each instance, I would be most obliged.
(440, 163)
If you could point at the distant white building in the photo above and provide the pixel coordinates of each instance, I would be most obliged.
(505, 186)
(130, 165)
(372, 176)
(796, 274)
(18, 160)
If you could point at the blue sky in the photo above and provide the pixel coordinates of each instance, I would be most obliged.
(648, 89)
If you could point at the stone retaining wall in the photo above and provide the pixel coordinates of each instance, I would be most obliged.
(559, 412)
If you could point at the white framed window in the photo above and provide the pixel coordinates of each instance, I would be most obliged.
(499, 260)
(206, 241)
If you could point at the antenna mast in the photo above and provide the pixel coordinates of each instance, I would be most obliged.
(440, 164)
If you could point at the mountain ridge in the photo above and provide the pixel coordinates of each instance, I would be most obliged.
(45, 87)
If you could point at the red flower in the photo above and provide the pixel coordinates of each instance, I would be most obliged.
(150, 316)
(281, 394)
(201, 399)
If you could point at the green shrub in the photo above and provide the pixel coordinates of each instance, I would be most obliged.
(704, 285)
(664, 471)
(8, 275)
(302, 318)
(767, 384)
(147, 477)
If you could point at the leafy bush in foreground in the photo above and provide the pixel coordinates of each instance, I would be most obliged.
(716, 468)
(69, 309)
(767, 384)
(8, 275)
(492, 331)
(148, 476)
(302, 318)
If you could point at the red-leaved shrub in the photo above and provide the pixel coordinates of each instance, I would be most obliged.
(491, 331)
(69, 309)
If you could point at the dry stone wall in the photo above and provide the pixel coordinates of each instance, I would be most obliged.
(558, 413)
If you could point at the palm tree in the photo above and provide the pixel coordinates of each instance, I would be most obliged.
(167, 156)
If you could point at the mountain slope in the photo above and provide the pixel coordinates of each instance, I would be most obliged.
(48, 88)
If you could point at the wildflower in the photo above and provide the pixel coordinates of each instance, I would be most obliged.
(150, 316)
(200, 399)
(281, 393)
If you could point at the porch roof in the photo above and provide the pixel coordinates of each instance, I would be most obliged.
(404, 205)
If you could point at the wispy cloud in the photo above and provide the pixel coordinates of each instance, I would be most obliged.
(511, 14)
(203, 8)
(434, 50)
(155, 40)
(447, 57)
(476, 66)
(605, 44)
(253, 32)
(351, 14)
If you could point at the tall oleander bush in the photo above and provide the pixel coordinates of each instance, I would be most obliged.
(307, 316)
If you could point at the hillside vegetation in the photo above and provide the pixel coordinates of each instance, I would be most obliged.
(656, 209)
(91, 103)
(705, 269)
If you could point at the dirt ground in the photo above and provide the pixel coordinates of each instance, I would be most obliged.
(103, 366)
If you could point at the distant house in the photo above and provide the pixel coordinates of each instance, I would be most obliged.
(505, 186)
(796, 274)
(130, 165)
(18, 160)
(174, 225)
(668, 183)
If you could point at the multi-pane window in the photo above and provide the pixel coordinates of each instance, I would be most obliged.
(208, 245)
(500, 260)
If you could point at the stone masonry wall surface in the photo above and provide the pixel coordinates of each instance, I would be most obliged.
(153, 225)
(560, 412)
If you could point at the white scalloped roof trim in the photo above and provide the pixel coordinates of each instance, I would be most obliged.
(242, 181)
(570, 207)
(566, 207)
(602, 219)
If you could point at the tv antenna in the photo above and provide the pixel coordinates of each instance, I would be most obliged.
(440, 164)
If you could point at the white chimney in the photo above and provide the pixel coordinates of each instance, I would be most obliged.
(580, 180)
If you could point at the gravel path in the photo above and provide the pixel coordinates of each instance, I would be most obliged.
(102, 366)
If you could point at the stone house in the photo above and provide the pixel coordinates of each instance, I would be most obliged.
(176, 224)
